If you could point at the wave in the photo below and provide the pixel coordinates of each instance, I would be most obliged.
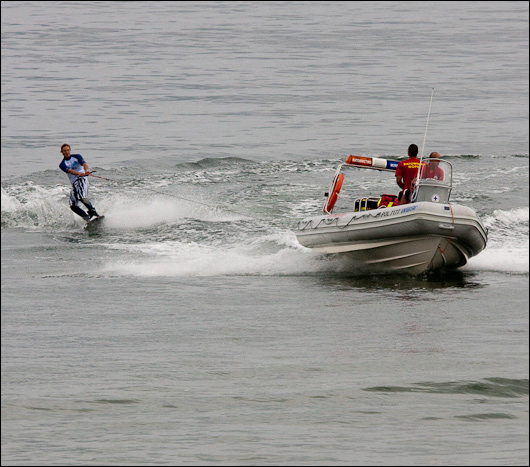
(37, 207)
(33, 206)
(238, 227)
(278, 253)
(508, 243)
(274, 254)
(489, 387)
(508, 219)
(212, 162)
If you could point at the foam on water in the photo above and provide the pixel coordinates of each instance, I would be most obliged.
(34, 206)
(506, 259)
(507, 251)
(170, 236)
(131, 213)
(508, 244)
(250, 257)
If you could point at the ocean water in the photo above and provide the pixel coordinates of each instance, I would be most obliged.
(191, 328)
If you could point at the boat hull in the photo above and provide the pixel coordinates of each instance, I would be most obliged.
(414, 238)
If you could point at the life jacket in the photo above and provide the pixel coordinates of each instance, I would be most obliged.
(387, 201)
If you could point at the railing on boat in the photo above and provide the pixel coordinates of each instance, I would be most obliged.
(437, 190)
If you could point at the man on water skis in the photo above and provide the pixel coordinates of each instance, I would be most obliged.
(77, 170)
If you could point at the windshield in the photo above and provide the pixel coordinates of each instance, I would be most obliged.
(437, 171)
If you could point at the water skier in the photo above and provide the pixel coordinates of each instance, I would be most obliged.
(77, 170)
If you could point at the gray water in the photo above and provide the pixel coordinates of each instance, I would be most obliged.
(192, 328)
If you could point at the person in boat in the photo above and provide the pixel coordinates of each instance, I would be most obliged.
(406, 172)
(77, 170)
(431, 170)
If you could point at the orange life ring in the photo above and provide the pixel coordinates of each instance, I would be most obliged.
(332, 199)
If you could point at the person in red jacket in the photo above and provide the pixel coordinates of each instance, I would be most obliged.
(406, 172)
(431, 170)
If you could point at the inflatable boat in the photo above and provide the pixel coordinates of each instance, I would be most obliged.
(375, 232)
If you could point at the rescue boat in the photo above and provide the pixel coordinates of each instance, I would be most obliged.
(376, 233)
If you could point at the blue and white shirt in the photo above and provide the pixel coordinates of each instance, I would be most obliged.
(75, 161)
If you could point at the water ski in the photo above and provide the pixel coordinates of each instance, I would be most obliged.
(94, 222)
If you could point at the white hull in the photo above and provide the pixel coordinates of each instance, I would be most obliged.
(414, 238)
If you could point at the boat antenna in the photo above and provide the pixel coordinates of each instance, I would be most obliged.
(425, 134)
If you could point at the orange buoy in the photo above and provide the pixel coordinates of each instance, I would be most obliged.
(359, 160)
(332, 199)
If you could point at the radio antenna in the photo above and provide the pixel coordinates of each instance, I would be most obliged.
(426, 126)
(425, 134)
